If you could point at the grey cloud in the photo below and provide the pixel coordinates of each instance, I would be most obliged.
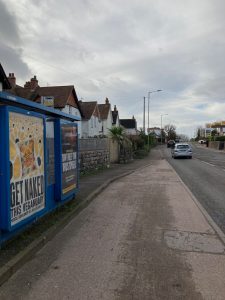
(12, 62)
(10, 44)
(9, 31)
(121, 49)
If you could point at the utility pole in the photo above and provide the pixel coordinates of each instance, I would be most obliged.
(144, 117)
(161, 129)
(149, 93)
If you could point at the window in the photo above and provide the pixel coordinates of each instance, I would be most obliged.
(182, 146)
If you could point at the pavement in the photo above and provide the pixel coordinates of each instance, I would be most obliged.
(90, 185)
(140, 234)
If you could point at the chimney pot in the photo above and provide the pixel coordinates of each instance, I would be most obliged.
(12, 80)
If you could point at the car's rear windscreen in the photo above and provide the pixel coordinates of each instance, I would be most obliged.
(182, 147)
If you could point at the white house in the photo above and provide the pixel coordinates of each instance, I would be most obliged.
(91, 121)
(130, 126)
(106, 116)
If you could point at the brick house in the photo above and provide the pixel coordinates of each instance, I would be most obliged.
(65, 97)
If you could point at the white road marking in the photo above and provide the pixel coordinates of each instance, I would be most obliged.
(208, 163)
(212, 165)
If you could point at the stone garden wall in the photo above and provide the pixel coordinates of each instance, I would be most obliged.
(94, 154)
(219, 145)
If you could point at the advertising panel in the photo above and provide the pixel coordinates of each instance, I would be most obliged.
(27, 188)
(69, 157)
(50, 144)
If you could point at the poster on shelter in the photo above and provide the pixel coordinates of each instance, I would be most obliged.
(69, 157)
(27, 188)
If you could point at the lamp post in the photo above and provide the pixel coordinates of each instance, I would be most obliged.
(149, 93)
(144, 117)
(161, 125)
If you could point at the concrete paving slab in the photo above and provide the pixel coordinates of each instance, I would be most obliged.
(194, 242)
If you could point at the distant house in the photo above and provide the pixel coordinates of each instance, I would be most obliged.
(4, 82)
(105, 116)
(91, 121)
(115, 117)
(130, 126)
(206, 132)
(63, 97)
(156, 131)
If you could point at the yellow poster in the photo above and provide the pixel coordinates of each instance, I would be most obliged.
(27, 189)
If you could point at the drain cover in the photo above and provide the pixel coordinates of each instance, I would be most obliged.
(192, 241)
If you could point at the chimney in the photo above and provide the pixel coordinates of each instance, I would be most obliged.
(27, 84)
(32, 84)
(12, 79)
(106, 100)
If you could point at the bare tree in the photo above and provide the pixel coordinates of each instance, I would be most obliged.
(170, 131)
(198, 133)
(183, 138)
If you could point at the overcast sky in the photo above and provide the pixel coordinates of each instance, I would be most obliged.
(122, 50)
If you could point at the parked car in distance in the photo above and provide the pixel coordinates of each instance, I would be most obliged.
(181, 150)
(170, 144)
(202, 142)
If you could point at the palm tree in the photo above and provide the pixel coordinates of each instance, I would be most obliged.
(117, 133)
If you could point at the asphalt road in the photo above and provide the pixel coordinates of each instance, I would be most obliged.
(205, 177)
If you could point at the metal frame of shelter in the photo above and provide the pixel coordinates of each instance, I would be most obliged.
(38, 162)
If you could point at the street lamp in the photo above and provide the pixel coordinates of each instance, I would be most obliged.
(149, 93)
(161, 125)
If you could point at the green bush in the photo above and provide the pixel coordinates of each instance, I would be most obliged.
(220, 138)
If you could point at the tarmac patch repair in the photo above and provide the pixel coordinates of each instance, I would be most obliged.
(194, 242)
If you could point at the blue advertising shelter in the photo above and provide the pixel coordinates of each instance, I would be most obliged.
(38, 162)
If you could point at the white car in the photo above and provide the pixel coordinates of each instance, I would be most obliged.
(182, 150)
(202, 141)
